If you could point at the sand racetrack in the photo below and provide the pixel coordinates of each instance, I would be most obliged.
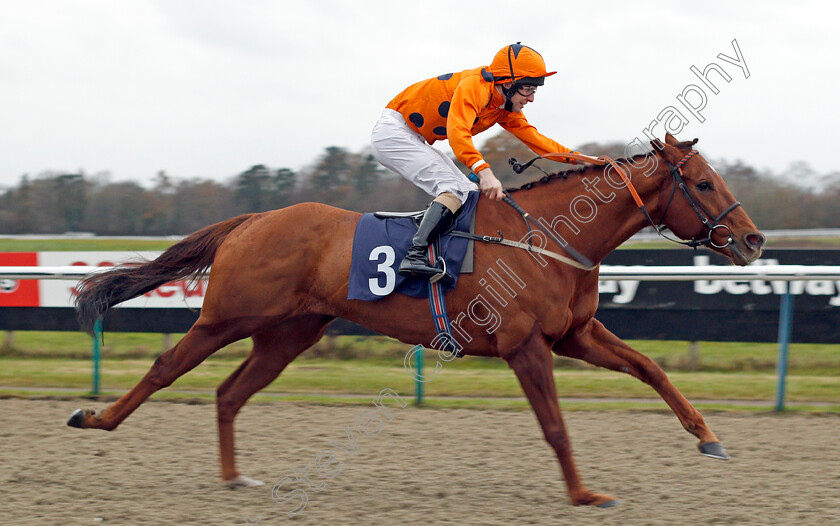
(424, 467)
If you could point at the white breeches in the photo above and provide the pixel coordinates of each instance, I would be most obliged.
(404, 151)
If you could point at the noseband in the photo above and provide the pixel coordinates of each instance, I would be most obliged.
(710, 222)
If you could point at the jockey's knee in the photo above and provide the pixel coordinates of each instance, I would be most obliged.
(450, 201)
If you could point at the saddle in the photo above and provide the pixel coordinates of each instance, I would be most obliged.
(434, 256)
(381, 241)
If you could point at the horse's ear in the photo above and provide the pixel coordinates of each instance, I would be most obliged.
(694, 141)
(669, 139)
(668, 153)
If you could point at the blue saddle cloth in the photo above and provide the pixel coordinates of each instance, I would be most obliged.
(380, 244)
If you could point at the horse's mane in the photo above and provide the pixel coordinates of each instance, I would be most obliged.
(576, 171)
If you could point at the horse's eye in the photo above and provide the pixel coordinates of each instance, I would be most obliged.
(704, 186)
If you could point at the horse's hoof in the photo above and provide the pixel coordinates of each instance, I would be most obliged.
(713, 450)
(610, 504)
(241, 481)
(597, 500)
(76, 419)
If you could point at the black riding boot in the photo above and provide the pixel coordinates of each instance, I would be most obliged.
(416, 262)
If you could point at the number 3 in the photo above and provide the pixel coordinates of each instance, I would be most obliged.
(384, 268)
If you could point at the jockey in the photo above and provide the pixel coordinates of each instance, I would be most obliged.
(456, 106)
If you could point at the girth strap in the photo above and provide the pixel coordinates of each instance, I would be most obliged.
(437, 303)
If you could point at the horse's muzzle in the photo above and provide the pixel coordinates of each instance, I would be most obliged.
(747, 249)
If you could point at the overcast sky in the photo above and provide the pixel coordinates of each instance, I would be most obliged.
(210, 88)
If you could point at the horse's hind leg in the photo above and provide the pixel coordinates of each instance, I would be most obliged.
(274, 348)
(201, 341)
(594, 344)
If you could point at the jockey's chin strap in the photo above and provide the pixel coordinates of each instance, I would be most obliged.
(712, 223)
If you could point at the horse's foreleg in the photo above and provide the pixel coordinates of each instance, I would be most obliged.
(200, 342)
(532, 365)
(594, 344)
(274, 348)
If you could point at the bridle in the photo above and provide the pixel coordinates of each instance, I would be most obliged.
(712, 223)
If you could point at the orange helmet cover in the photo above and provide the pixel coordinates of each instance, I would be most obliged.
(517, 61)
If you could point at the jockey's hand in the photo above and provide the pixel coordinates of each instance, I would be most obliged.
(489, 185)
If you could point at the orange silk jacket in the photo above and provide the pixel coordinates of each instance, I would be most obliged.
(456, 106)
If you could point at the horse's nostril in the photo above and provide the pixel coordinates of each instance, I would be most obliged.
(755, 240)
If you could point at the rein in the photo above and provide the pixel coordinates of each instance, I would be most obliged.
(583, 262)
(580, 261)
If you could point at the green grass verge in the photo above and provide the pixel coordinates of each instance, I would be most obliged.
(804, 359)
(348, 365)
(322, 376)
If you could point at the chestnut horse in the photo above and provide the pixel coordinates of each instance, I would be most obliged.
(281, 277)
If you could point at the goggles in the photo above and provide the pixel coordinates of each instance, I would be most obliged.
(527, 90)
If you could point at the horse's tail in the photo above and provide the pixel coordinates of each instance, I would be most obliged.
(188, 258)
